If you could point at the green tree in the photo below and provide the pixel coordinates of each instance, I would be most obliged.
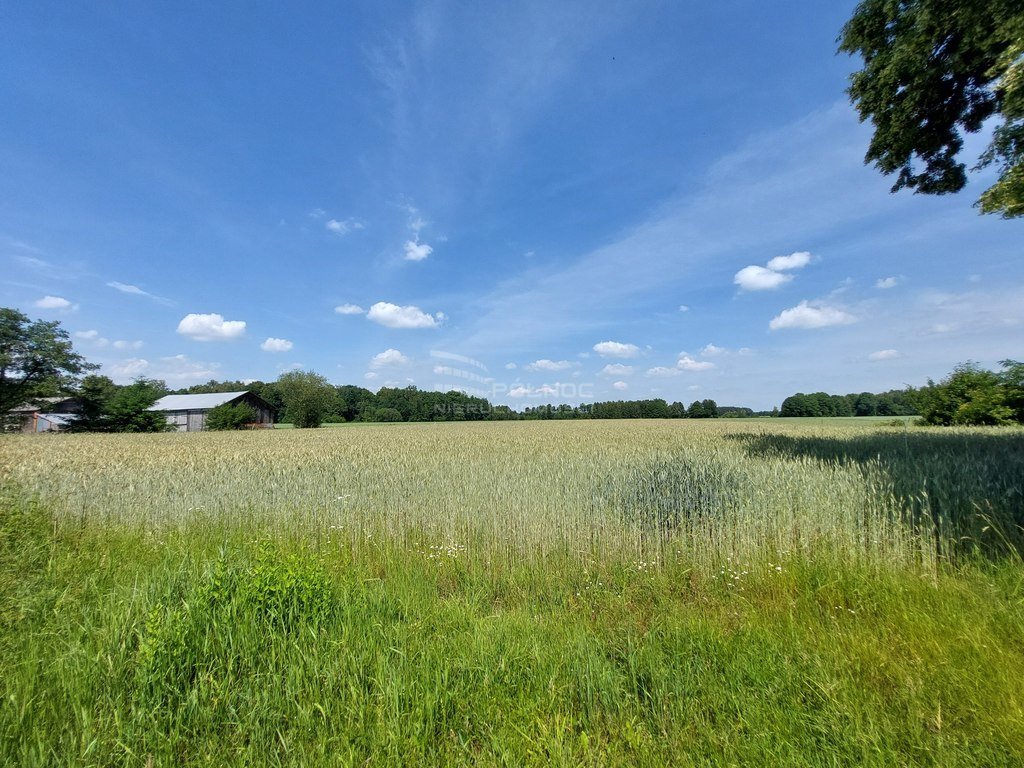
(307, 396)
(95, 392)
(1012, 378)
(127, 409)
(230, 416)
(36, 359)
(969, 395)
(934, 70)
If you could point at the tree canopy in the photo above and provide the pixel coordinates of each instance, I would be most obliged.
(934, 70)
(308, 397)
(975, 396)
(36, 359)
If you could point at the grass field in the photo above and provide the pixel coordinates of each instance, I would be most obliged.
(574, 593)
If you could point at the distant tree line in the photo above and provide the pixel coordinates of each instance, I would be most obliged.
(892, 403)
(298, 395)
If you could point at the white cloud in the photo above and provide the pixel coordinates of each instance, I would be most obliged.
(549, 365)
(683, 308)
(616, 349)
(87, 335)
(884, 354)
(661, 370)
(687, 363)
(754, 278)
(134, 290)
(796, 260)
(393, 316)
(417, 251)
(620, 385)
(521, 390)
(53, 302)
(616, 369)
(807, 315)
(317, 213)
(510, 366)
(388, 357)
(181, 368)
(710, 350)
(276, 345)
(349, 309)
(369, 375)
(126, 288)
(343, 227)
(887, 282)
(125, 344)
(211, 327)
(130, 368)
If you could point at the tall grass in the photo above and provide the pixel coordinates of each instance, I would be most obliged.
(571, 593)
(641, 490)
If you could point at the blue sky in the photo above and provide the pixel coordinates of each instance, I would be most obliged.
(540, 202)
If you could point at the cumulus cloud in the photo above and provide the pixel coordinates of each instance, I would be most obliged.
(710, 350)
(687, 363)
(210, 327)
(661, 370)
(388, 357)
(887, 282)
(276, 345)
(754, 278)
(52, 302)
(616, 349)
(181, 368)
(808, 315)
(797, 260)
(683, 308)
(616, 369)
(126, 344)
(93, 336)
(130, 368)
(620, 385)
(549, 365)
(343, 227)
(521, 390)
(884, 354)
(510, 366)
(349, 309)
(393, 316)
(417, 251)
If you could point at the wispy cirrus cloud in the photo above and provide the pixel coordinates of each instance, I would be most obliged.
(550, 365)
(134, 290)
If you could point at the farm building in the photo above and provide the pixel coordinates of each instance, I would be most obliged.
(46, 414)
(187, 413)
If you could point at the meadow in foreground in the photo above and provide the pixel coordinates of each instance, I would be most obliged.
(510, 593)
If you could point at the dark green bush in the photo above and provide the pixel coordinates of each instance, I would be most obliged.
(228, 416)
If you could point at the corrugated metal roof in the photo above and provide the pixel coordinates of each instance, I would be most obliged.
(194, 402)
